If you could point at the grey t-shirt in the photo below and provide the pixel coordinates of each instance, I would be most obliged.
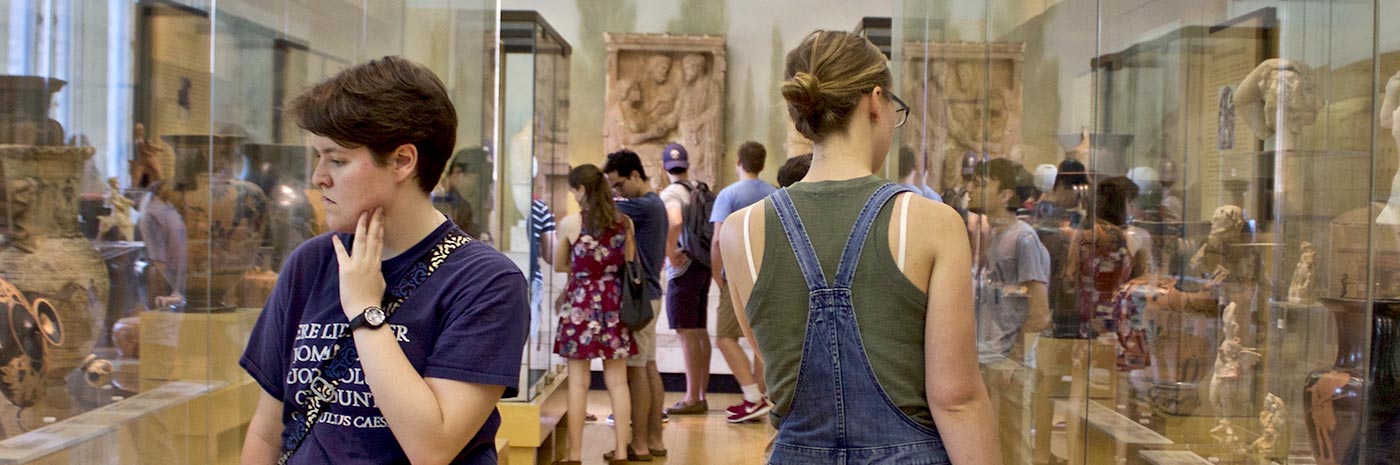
(675, 196)
(1015, 256)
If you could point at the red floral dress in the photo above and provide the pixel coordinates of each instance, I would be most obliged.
(1100, 259)
(591, 324)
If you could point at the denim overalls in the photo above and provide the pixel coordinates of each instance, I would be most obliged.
(840, 415)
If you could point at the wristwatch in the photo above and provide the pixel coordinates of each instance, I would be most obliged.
(372, 318)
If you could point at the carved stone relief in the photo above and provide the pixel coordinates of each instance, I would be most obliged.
(969, 105)
(664, 88)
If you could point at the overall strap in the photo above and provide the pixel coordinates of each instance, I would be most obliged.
(323, 386)
(797, 237)
(850, 257)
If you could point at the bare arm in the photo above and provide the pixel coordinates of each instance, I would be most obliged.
(568, 231)
(956, 395)
(1039, 297)
(740, 279)
(546, 249)
(263, 445)
(673, 235)
(631, 246)
(717, 257)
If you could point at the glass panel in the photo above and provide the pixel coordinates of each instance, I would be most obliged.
(1189, 171)
(150, 191)
(535, 136)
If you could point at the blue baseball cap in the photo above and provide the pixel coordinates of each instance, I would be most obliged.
(674, 156)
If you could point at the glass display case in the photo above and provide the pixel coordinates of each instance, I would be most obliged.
(533, 188)
(150, 190)
(1191, 239)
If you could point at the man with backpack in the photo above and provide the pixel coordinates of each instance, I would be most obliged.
(688, 204)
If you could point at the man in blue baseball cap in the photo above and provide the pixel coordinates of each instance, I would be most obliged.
(687, 278)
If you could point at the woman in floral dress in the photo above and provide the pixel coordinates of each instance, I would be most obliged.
(597, 242)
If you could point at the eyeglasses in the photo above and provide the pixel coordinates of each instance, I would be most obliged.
(901, 108)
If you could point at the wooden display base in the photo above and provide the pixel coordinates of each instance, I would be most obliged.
(535, 429)
(194, 346)
(1106, 437)
(1008, 385)
(136, 430)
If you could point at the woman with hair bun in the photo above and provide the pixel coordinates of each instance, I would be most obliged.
(596, 244)
(868, 338)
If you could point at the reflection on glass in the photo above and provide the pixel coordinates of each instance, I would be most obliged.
(1193, 171)
(534, 115)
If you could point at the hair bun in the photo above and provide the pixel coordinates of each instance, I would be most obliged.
(802, 90)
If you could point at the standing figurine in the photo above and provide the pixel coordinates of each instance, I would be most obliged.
(145, 169)
(1219, 252)
(1272, 445)
(1229, 383)
(1302, 291)
(120, 218)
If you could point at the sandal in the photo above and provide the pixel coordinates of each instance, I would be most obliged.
(631, 456)
(658, 452)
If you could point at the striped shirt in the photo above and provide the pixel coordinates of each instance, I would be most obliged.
(541, 221)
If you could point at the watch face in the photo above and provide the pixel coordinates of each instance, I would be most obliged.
(374, 316)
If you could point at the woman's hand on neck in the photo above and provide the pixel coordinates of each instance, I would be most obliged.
(409, 220)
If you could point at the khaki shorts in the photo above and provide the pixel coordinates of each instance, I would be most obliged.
(728, 322)
(646, 340)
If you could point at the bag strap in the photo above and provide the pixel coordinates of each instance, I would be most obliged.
(323, 386)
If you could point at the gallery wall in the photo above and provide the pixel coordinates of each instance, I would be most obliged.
(759, 36)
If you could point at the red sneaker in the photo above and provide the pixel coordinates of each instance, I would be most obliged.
(748, 410)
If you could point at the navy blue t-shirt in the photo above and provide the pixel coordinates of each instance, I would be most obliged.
(649, 223)
(467, 322)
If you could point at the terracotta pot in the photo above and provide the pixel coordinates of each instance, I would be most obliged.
(49, 258)
(221, 221)
(1182, 332)
(1335, 398)
(24, 110)
(27, 331)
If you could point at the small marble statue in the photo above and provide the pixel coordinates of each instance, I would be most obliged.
(145, 169)
(1229, 384)
(1301, 290)
(1390, 107)
(1226, 231)
(120, 218)
(1280, 97)
(1272, 445)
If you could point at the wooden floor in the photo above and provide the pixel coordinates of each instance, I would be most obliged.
(690, 439)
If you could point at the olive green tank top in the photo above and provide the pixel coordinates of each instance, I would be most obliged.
(890, 310)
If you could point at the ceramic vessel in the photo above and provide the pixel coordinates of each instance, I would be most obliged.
(1336, 397)
(1182, 332)
(24, 110)
(223, 220)
(28, 330)
(47, 257)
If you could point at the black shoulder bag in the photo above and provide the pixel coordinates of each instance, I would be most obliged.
(636, 309)
(344, 355)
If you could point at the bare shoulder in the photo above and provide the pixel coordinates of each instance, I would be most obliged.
(936, 218)
(572, 220)
(733, 223)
